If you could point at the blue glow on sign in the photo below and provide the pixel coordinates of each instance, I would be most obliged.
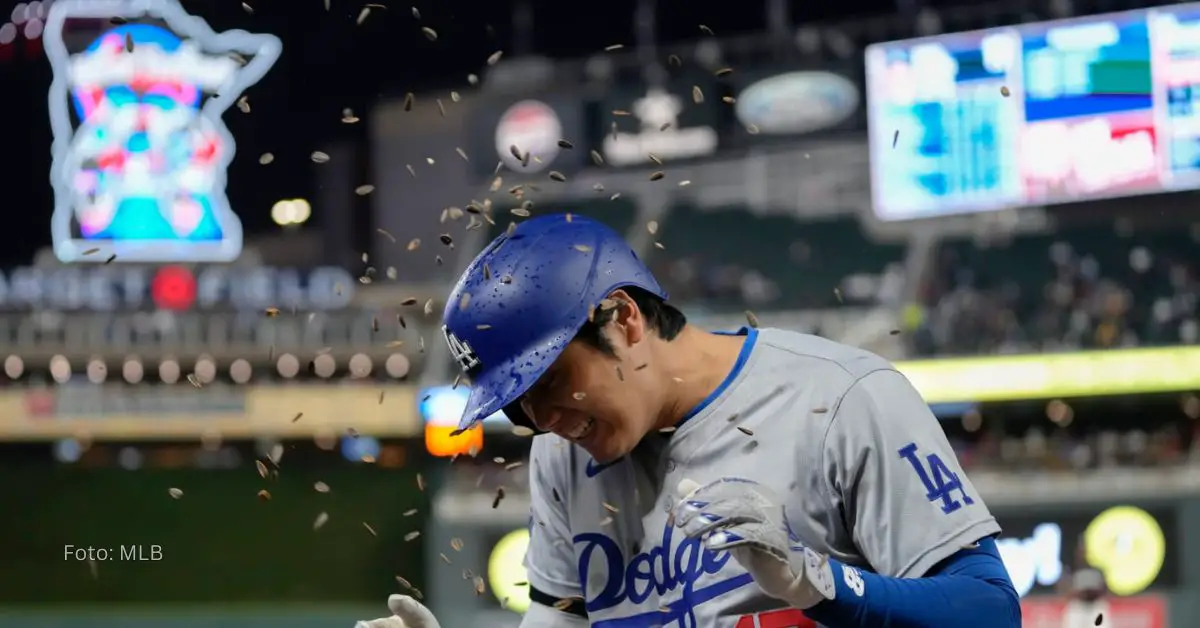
(443, 406)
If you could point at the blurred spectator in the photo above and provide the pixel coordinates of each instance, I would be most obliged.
(1084, 287)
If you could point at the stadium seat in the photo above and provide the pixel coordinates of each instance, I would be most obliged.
(732, 258)
(1083, 286)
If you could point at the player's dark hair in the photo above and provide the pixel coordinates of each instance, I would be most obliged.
(661, 317)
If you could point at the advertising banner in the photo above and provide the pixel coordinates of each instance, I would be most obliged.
(140, 148)
(524, 133)
(1144, 611)
(1135, 548)
(782, 103)
(640, 125)
(142, 412)
(108, 288)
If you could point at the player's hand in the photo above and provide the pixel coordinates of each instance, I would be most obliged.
(744, 518)
(406, 613)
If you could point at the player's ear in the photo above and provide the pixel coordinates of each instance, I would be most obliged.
(628, 319)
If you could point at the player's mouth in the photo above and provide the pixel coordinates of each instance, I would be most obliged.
(582, 430)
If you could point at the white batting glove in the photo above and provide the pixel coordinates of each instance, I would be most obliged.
(746, 519)
(406, 613)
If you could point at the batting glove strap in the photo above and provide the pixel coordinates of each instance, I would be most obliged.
(815, 584)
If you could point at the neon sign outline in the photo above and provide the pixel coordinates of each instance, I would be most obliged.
(261, 50)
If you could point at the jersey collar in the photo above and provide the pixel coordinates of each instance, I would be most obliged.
(593, 468)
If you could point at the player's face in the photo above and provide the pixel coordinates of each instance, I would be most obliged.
(600, 401)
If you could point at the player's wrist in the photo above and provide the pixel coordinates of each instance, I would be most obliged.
(815, 582)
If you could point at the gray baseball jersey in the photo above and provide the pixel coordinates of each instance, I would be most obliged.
(865, 471)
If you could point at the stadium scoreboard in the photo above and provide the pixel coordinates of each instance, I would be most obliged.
(1039, 114)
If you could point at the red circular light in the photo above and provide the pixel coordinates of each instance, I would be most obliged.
(173, 288)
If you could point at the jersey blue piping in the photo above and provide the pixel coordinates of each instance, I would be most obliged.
(751, 335)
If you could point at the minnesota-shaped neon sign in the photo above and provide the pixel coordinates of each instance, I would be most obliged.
(140, 149)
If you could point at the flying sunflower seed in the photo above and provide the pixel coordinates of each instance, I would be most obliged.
(745, 430)
(706, 30)
(264, 495)
(494, 58)
(363, 15)
(751, 319)
(262, 468)
(652, 227)
(613, 47)
(1004, 91)
(565, 144)
(558, 176)
(265, 158)
(412, 535)
(408, 101)
(369, 528)
(697, 95)
(175, 493)
(456, 544)
(522, 431)
(582, 248)
(364, 190)
(321, 520)
(657, 176)
(430, 34)
(420, 482)
(413, 244)
(247, 8)
(724, 72)
(319, 157)
(243, 104)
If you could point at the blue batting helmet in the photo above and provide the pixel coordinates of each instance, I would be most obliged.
(525, 297)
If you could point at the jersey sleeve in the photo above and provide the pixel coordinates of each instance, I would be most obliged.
(550, 559)
(903, 497)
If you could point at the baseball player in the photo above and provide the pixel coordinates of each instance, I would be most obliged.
(755, 479)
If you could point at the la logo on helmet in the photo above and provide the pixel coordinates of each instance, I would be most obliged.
(140, 148)
(460, 350)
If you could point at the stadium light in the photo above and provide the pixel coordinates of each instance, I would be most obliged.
(291, 212)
